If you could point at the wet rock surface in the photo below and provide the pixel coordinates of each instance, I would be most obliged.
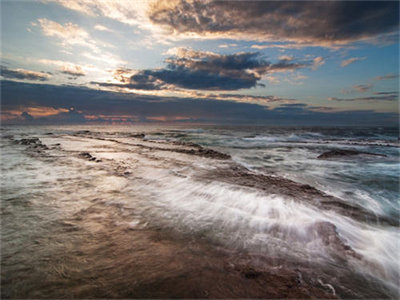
(33, 143)
(209, 153)
(300, 192)
(329, 236)
(89, 157)
(339, 153)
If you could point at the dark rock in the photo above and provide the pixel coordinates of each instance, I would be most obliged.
(30, 141)
(85, 154)
(33, 144)
(188, 144)
(138, 135)
(344, 153)
(83, 132)
(88, 156)
(250, 273)
(213, 154)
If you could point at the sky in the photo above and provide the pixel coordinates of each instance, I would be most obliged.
(220, 62)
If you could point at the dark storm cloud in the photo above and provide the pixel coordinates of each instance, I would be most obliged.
(378, 96)
(17, 96)
(190, 69)
(318, 22)
(23, 74)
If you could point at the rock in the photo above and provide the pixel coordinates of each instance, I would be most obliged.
(83, 132)
(30, 141)
(329, 236)
(344, 153)
(88, 156)
(213, 154)
(33, 144)
(138, 135)
(85, 154)
(250, 273)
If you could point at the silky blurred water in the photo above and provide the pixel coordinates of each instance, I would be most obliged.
(54, 199)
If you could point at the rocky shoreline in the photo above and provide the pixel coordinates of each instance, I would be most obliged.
(125, 260)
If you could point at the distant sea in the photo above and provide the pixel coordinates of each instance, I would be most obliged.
(154, 211)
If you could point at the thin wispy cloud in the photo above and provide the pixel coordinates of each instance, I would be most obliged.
(387, 77)
(378, 96)
(69, 34)
(351, 60)
(362, 88)
(102, 28)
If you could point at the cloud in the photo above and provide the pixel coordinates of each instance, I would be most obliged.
(24, 74)
(68, 33)
(317, 62)
(203, 70)
(311, 23)
(362, 88)
(227, 45)
(100, 106)
(288, 45)
(102, 28)
(70, 68)
(26, 116)
(351, 60)
(387, 77)
(75, 71)
(261, 100)
(73, 35)
(259, 47)
(378, 96)
(322, 23)
(120, 10)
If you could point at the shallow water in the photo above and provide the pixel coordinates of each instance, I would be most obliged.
(154, 217)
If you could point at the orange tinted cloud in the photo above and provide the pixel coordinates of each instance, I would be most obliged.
(36, 112)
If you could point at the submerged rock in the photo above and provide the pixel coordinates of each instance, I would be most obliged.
(138, 135)
(30, 141)
(329, 236)
(85, 155)
(344, 153)
(33, 143)
(89, 157)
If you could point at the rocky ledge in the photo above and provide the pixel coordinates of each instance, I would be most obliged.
(345, 153)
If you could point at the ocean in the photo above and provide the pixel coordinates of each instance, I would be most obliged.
(185, 211)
